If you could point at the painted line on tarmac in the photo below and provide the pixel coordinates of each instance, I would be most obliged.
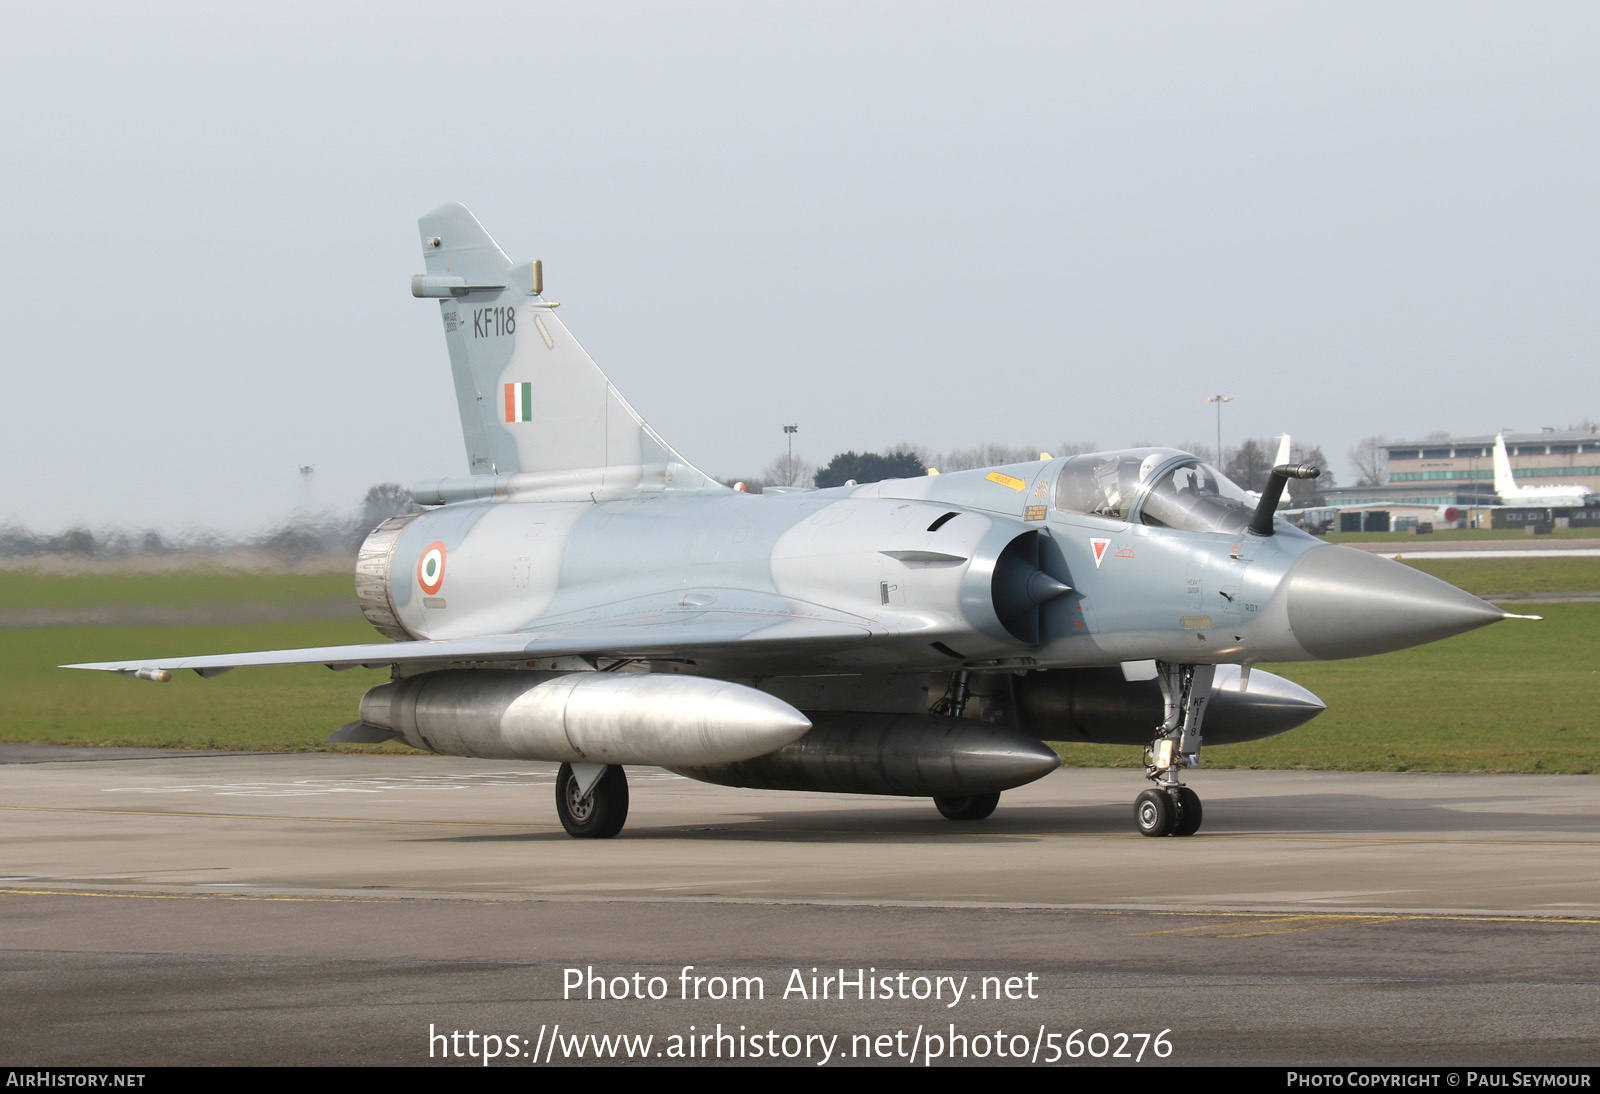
(270, 897)
(1234, 917)
(1582, 552)
(268, 817)
(1288, 924)
(1260, 924)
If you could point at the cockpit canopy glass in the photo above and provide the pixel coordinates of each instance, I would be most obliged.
(1160, 487)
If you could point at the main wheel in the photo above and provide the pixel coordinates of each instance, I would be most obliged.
(599, 816)
(1189, 812)
(976, 807)
(1154, 813)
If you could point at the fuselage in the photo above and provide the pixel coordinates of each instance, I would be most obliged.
(1557, 496)
(995, 568)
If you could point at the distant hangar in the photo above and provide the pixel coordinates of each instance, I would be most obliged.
(1451, 481)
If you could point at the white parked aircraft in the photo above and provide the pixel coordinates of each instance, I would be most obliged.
(1513, 495)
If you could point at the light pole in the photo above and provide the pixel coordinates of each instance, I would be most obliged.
(790, 431)
(1219, 400)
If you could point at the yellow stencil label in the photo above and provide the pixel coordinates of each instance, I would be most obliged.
(1005, 480)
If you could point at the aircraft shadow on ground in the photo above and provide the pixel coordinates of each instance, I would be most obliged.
(1303, 815)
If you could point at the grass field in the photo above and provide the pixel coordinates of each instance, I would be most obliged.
(176, 589)
(1512, 697)
(274, 709)
(1492, 577)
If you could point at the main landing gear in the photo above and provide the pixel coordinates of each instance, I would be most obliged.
(592, 800)
(1172, 809)
(977, 807)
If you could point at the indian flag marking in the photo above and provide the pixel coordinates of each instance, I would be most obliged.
(430, 568)
(519, 402)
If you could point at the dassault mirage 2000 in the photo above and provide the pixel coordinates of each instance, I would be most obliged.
(585, 595)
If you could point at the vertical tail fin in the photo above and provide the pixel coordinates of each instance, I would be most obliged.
(531, 400)
(1285, 451)
(1505, 484)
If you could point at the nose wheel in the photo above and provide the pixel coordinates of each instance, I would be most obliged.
(1155, 813)
(1174, 812)
(1188, 822)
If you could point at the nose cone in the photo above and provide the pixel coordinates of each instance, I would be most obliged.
(1348, 603)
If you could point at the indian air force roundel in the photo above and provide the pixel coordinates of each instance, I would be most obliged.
(430, 568)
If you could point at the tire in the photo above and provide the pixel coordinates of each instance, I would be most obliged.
(974, 808)
(1154, 813)
(599, 816)
(1189, 813)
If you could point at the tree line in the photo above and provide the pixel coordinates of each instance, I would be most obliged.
(304, 535)
(300, 536)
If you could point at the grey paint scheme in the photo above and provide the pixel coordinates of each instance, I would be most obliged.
(592, 717)
(578, 422)
(581, 533)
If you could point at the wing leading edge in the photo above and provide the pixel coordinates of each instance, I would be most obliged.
(680, 629)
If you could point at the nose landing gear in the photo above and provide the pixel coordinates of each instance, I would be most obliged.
(1172, 809)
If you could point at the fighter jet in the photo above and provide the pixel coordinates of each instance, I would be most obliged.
(585, 595)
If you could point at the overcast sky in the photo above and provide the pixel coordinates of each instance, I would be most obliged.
(949, 224)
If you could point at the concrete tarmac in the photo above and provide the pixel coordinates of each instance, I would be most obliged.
(359, 909)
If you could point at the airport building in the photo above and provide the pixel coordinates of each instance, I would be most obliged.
(1548, 458)
(1429, 480)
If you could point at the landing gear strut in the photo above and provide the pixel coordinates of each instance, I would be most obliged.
(592, 800)
(978, 806)
(1172, 809)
